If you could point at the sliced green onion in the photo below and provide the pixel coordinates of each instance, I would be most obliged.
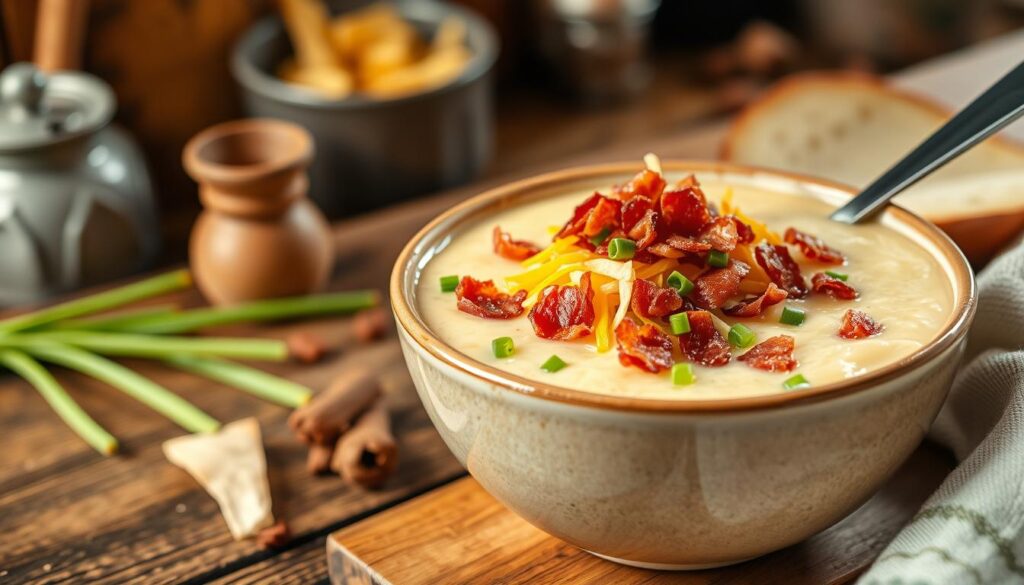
(741, 336)
(841, 276)
(266, 386)
(553, 364)
(339, 303)
(792, 316)
(153, 346)
(503, 347)
(121, 321)
(621, 249)
(682, 374)
(797, 381)
(103, 301)
(679, 323)
(680, 283)
(142, 389)
(718, 259)
(65, 406)
(601, 236)
(449, 283)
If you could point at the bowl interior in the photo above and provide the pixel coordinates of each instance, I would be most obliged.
(439, 233)
(265, 45)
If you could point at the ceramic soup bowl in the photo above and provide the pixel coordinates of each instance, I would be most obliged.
(672, 483)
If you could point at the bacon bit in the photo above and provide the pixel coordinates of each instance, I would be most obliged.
(813, 248)
(704, 344)
(564, 312)
(664, 250)
(645, 232)
(506, 247)
(579, 216)
(650, 300)
(687, 245)
(782, 269)
(604, 215)
(774, 354)
(743, 231)
(721, 234)
(647, 184)
(859, 325)
(685, 212)
(483, 299)
(833, 287)
(715, 287)
(634, 210)
(645, 347)
(753, 307)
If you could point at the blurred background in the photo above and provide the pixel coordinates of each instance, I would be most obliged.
(572, 76)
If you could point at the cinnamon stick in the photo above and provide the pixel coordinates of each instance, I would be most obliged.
(371, 324)
(306, 347)
(367, 454)
(318, 460)
(330, 413)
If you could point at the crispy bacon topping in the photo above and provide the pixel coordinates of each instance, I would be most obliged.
(859, 325)
(684, 210)
(721, 234)
(643, 346)
(774, 354)
(564, 312)
(634, 210)
(715, 287)
(687, 245)
(753, 307)
(813, 248)
(650, 300)
(833, 287)
(645, 231)
(506, 247)
(744, 231)
(782, 269)
(483, 299)
(579, 216)
(647, 184)
(704, 344)
(604, 215)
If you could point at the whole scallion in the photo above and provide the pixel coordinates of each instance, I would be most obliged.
(154, 346)
(266, 386)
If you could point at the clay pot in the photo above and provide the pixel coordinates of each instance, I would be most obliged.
(259, 236)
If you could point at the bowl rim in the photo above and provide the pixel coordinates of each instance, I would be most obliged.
(253, 79)
(962, 281)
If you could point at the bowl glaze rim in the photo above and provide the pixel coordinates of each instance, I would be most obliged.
(961, 280)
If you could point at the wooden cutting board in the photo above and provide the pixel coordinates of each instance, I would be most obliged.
(460, 534)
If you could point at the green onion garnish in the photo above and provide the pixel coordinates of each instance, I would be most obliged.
(621, 249)
(449, 283)
(741, 336)
(601, 236)
(682, 374)
(838, 275)
(680, 283)
(553, 364)
(680, 323)
(792, 316)
(718, 259)
(503, 347)
(797, 381)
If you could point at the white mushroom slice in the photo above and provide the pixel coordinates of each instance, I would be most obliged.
(231, 466)
(652, 162)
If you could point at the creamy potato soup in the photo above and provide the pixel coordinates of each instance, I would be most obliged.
(902, 299)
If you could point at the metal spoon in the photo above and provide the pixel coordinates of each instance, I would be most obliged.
(988, 113)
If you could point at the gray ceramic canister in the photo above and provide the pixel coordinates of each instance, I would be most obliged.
(76, 202)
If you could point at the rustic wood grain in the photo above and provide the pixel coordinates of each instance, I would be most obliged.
(460, 534)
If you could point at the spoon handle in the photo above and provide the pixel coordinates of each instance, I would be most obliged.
(988, 113)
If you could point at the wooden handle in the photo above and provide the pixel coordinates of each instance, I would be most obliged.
(60, 32)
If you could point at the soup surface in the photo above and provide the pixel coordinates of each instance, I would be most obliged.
(899, 284)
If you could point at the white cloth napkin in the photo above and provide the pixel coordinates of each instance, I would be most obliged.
(971, 531)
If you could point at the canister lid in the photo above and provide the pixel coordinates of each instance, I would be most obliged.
(38, 109)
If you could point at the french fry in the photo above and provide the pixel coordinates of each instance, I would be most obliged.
(352, 33)
(450, 33)
(437, 68)
(332, 82)
(306, 22)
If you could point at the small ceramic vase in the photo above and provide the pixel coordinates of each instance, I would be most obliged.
(259, 236)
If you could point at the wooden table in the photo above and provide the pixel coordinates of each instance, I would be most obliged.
(69, 515)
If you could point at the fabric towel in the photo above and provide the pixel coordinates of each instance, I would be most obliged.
(971, 531)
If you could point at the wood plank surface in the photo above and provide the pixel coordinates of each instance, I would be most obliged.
(460, 534)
